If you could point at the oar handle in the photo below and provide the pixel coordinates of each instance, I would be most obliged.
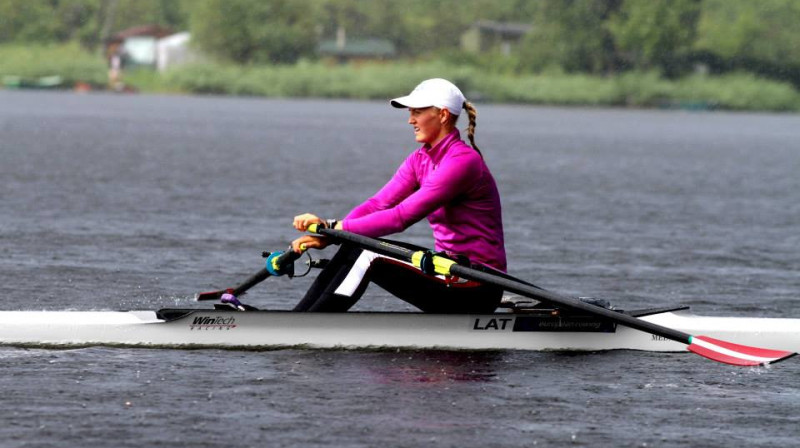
(281, 263)
(277, 264)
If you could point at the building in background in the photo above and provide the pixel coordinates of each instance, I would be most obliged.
(175, 50)
(487, 35)
(138, 44)
(343, 50)
(152, 47)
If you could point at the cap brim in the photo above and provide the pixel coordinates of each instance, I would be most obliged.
(409, 101)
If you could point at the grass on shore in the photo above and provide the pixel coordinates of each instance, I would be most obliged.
(739, 91)
(69, 61)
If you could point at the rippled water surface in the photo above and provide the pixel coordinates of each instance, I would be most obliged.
(138, 202)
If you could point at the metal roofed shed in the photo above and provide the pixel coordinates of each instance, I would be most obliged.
(345, 50)
(487, 35)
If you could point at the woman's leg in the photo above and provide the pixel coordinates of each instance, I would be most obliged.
(433, 294)
(339, 286)
(342, 283)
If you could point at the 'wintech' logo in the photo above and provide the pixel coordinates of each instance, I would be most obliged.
(213, 323)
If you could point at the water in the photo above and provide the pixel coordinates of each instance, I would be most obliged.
(119, 202)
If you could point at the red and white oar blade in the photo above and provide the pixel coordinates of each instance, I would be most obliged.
(736, 354)
(212, 295)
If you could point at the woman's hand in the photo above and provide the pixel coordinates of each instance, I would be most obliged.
(309, 242)
(301, 222)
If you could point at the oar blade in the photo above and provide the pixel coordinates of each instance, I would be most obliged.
(212, 295)
(736, 354)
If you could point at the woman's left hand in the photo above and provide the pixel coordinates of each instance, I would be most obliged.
(301, 222)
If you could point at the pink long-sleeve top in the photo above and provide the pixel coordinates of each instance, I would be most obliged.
(449, 184)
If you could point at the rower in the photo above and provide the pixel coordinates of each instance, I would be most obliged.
(445, 181)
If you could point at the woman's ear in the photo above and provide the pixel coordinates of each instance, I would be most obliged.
(444, 116)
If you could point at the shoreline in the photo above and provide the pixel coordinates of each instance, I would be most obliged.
(68, 67)
(665, 107)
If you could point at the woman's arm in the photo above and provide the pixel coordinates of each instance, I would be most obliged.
(399, 187)
(453, 177)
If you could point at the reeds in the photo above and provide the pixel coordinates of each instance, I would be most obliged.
(740, 91)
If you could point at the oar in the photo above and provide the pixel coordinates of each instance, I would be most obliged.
(277, 264)
(721, 351)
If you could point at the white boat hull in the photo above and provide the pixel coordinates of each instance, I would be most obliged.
(269, 329)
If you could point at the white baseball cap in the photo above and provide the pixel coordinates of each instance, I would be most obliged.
(435, 92)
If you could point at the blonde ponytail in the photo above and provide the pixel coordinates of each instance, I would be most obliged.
(472, 114)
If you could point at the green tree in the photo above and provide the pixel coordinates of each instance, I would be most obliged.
(129, 13)
(417, 27)
(89, 21)
(254, 31)
(27, 21)
(654, 33)
(74, 20)
(766, 30)
(571, 34)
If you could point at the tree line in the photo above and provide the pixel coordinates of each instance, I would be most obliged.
(597, 37)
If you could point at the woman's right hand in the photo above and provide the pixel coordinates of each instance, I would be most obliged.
(306, 242)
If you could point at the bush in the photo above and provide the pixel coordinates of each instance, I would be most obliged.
(68, 61)
(740, 92)
(370, 81)
(561, 90)
(644, 89)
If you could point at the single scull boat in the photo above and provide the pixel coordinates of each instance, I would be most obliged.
(515, 329)
(548, 322)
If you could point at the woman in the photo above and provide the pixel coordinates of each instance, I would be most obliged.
(446, 181)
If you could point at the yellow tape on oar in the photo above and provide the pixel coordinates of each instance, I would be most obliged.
(441, 265)
(428, 262)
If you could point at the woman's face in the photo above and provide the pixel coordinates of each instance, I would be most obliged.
(429, 124)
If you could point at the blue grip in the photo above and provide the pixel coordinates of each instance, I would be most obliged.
(272, 266)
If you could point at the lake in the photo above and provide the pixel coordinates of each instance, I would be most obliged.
(137, 202)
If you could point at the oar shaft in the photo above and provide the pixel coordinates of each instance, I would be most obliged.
(511, 285)
(281, 264)
(710, 348)
(568, 302)
(257, 278)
